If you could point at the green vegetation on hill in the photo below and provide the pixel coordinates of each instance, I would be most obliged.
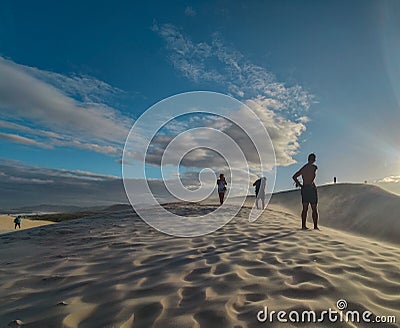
(60, 217)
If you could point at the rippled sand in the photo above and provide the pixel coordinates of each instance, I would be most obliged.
(118, 272)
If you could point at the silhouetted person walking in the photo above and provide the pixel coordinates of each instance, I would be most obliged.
(309, 193)
(334, 179)
(260, 185)
(17, 222)
(221, 183)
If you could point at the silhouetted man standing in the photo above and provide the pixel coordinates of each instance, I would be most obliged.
(309, 193)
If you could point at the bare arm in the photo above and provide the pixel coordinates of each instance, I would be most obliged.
(296, 177)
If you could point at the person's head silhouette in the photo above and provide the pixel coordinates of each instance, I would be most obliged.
(312, 158)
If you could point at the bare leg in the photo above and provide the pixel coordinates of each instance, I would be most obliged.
(304, 216)
(315, 215)
(263, 202)
(257, 202)
(221, 197)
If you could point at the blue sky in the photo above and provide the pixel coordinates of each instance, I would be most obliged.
(334, 66)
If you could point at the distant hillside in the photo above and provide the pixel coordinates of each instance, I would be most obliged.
(81, 213)
(118, 208)
(45, 208)
(359, 208)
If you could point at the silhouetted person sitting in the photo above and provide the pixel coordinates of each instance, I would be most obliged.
(309, 193)
(221, 183)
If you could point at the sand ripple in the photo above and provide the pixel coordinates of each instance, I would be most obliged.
(118, 272)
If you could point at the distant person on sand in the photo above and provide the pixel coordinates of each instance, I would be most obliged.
(17, 222)
(260, 185)
(309, 193)
(221, 183)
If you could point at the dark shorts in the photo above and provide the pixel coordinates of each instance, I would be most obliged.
(309, 194)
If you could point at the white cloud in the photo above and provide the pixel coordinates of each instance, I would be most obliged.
(390, 183)
(22, 128)
(228, 67)
(189, 11)
(23, 140)
(65, 111)
(281, 108)
(29, 180)
(390, 179)
(82, 87)
(284, 133)
(104, 149)
(52, 139)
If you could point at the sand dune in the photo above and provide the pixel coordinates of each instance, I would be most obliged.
(358, 208)
(7, 223)
(115, 271)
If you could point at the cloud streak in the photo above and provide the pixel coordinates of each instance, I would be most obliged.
(390, 179)
(216, 62)
(23, 140)
(66, 111)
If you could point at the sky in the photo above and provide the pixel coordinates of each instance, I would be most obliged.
(324, 76)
